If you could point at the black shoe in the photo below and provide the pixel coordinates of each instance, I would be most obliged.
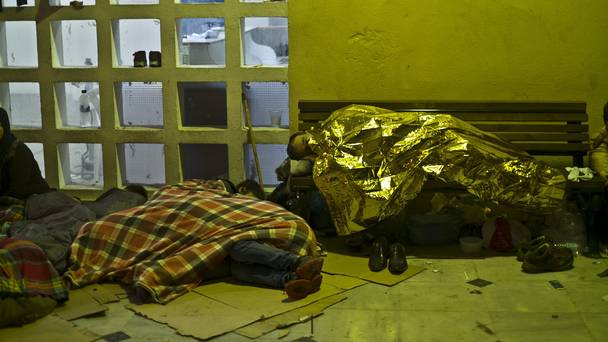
(155, 59)
(378, 256)
(397, 263)
(139, 59)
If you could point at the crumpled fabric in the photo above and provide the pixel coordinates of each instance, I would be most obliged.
(577, 174)
(371, 162)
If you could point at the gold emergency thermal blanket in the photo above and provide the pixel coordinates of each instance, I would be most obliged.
(371, 162)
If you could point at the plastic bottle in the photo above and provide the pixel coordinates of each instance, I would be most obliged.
(85, 109)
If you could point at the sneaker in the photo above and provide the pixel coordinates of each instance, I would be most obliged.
(529, 246)
(548, 258)
(307, 267)
(300, 288)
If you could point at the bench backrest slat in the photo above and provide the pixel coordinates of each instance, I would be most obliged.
(552, 128)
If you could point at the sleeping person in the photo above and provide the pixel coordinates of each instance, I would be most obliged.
(167, 246)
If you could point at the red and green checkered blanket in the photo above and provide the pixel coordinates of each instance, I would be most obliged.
(26, 271)
(167, 244)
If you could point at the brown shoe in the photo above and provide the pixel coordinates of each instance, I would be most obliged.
(308, 267)
(300, 288)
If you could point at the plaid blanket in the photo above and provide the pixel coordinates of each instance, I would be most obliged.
(11, 210)
(26, 271)
(166, 245)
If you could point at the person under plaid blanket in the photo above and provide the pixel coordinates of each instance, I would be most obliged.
(168, 245)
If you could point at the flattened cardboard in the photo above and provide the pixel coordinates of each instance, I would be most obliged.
(356, 266)
(101, 293)
(197, 316)
(265, 301)
(303, 314)
(80, 304)
(49, 328)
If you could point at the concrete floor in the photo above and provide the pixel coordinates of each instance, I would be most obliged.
(437, 305)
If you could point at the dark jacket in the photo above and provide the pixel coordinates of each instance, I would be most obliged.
(19, 172)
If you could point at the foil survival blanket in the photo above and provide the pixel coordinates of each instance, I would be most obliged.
(371, 162)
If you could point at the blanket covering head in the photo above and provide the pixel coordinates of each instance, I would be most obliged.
(371, 162)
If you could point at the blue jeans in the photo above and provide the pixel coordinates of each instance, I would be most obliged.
(258, 263)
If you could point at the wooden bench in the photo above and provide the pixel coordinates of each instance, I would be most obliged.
(541, 129)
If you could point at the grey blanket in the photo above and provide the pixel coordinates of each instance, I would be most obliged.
(53, 219)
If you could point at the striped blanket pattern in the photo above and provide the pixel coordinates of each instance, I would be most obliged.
(26, 271)
(167, 244)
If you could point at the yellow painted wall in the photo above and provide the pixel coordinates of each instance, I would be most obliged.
(513, 50)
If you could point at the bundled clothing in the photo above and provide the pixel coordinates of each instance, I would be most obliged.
(52, 221)
(30, 288)
(26, 271)
(20, 175)
(169, 244)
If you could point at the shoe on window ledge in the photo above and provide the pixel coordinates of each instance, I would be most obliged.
(139, 59)
(155, 59)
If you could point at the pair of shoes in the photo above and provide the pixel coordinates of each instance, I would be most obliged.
(548, 258)
(397, 261)
(300, 288)
(139, 59)
(307, 267)
(378, 256)
(530, 246)
(381, 255)
(308, 278)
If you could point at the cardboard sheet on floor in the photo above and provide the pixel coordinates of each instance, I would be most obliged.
(303, 314)
(270, 302)
(196, 315)
(49, 328)
(80, 304)
(104, 293)
(356, 266)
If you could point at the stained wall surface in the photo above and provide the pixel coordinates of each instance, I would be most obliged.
(511, 50)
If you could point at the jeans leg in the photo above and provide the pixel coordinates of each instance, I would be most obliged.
(254, 252)
(260, 274)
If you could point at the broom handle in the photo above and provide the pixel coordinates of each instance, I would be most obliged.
(252, 138)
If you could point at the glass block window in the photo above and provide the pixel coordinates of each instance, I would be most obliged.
(131, 35)
(270, 156)
(140, 104)
(82, 164)
(203, 104)
(265, 41)
(134, 2)
(18, 44)
(78, 104)
(204, 161)
(67, 2)
(21, 100)
(142, 164)
(24, 3)
(75, 43)
(200, 1)
(268, 103)
(202, 41)
(38, 152)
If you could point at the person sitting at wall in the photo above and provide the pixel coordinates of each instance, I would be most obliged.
(20, 175)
